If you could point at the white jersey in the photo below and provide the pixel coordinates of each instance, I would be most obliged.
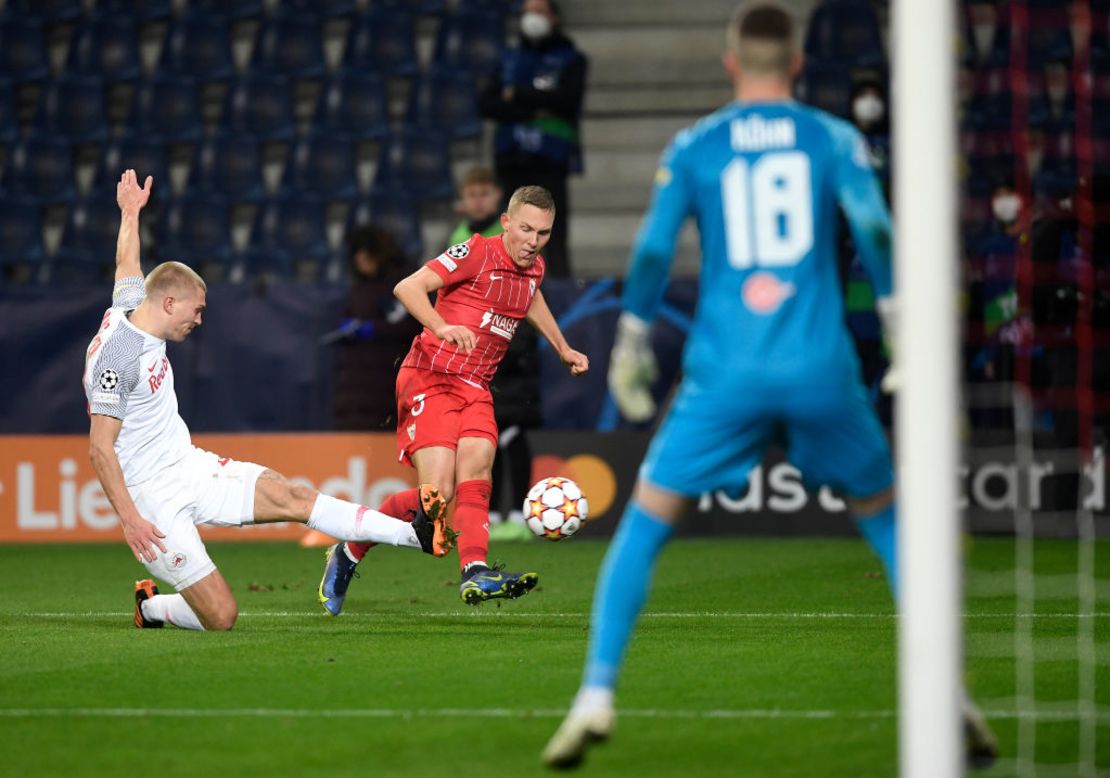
(128, 377)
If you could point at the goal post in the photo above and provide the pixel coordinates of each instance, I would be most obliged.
(926, 273)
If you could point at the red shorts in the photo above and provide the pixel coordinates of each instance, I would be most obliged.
(436, 409)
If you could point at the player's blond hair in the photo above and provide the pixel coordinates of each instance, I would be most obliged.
(171, 278)
(531, 195)
(761, 37)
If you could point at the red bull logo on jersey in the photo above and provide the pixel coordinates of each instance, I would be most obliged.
(764, 293)
(155, 379)
(499, 325)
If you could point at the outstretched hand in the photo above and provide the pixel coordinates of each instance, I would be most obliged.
(129, 195)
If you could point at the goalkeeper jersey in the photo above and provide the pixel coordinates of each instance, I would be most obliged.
(764, 182)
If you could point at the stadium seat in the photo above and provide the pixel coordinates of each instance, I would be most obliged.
(1049, 37)
(414, 7)
(382, 41)
(398, 214)
(324, 165)
(108, 48)
(9, 117)
(23, 52)
(167, 109)
(846, 32)
(230, 165)
(88, 246)
(472, 39)
(51, 11)
(261, 106)
(290, 46)
(291, 231)
(73, 107)
(355, 104)
(195, 230)
(827, 86)
(222, 9)
(324, 8)
(144, 10)
(198, 46)
(417, 163)
(42, 168)
(21, 246)
(445, 100)
(146, 158)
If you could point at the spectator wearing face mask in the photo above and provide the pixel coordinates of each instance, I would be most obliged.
(536, 100)
(869, 113)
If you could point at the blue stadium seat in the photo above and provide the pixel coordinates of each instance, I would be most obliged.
(21, 246)
(9, 117)
(230, 165)
(88, 247)
(417, 163)
(291, 230)
(73, 107)
(222, 9)
(398, 214)
(260, 106)
(445, 100)
(42, 168)
(383, 42)
(108, 48)
(828, 86)
(146, 158)
(414, 7)
(847, 32)
(50, 11)
(144, 10)
(23, 52)
(167, 109)
(195, 230)
(323, 165)
(324, 8)
(472, 39)
(198, 46)
(290, 46)
(355, 104)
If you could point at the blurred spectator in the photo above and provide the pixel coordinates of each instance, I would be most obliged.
(374, 335)
(480, 205)
(537, 101)
(869, 113)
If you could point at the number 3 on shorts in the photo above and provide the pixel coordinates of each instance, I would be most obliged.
(417, 404)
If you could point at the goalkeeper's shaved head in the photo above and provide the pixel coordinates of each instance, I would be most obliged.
(761, 37)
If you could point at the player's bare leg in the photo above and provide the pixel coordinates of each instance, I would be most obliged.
(207, 604)
(621, 591)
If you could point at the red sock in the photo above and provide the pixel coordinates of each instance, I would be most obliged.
(400, 506)
(472, 520)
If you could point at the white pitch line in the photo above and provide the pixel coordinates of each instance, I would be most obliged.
(499, 713)
(496, 614)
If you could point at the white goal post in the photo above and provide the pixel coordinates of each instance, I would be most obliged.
(926, 272)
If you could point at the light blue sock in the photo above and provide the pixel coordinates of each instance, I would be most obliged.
(881, 533)
(622, 588)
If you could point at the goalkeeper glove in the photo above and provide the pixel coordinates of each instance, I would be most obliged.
(632, 369)
(888, 314)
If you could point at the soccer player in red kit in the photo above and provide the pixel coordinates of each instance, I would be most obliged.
(445, 422)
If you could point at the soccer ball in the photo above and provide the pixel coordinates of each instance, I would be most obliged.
(555, 508)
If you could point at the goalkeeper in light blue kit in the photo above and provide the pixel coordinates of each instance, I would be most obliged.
(769, 357)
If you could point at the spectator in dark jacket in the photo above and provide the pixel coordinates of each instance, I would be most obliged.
(374, 335)
(536, 100)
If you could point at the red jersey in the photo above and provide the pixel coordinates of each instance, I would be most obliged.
(484, 291)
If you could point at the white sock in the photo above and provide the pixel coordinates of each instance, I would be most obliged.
(471, 565)
(591, 698)
(172, 609)
(347, 521)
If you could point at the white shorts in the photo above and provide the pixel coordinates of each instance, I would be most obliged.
(201, 489)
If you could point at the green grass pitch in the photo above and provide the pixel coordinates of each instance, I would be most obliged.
(755, 658)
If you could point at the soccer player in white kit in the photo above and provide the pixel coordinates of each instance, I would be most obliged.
(162, 486)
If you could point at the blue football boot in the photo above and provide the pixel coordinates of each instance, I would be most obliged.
(493, 583)
(339, 569)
